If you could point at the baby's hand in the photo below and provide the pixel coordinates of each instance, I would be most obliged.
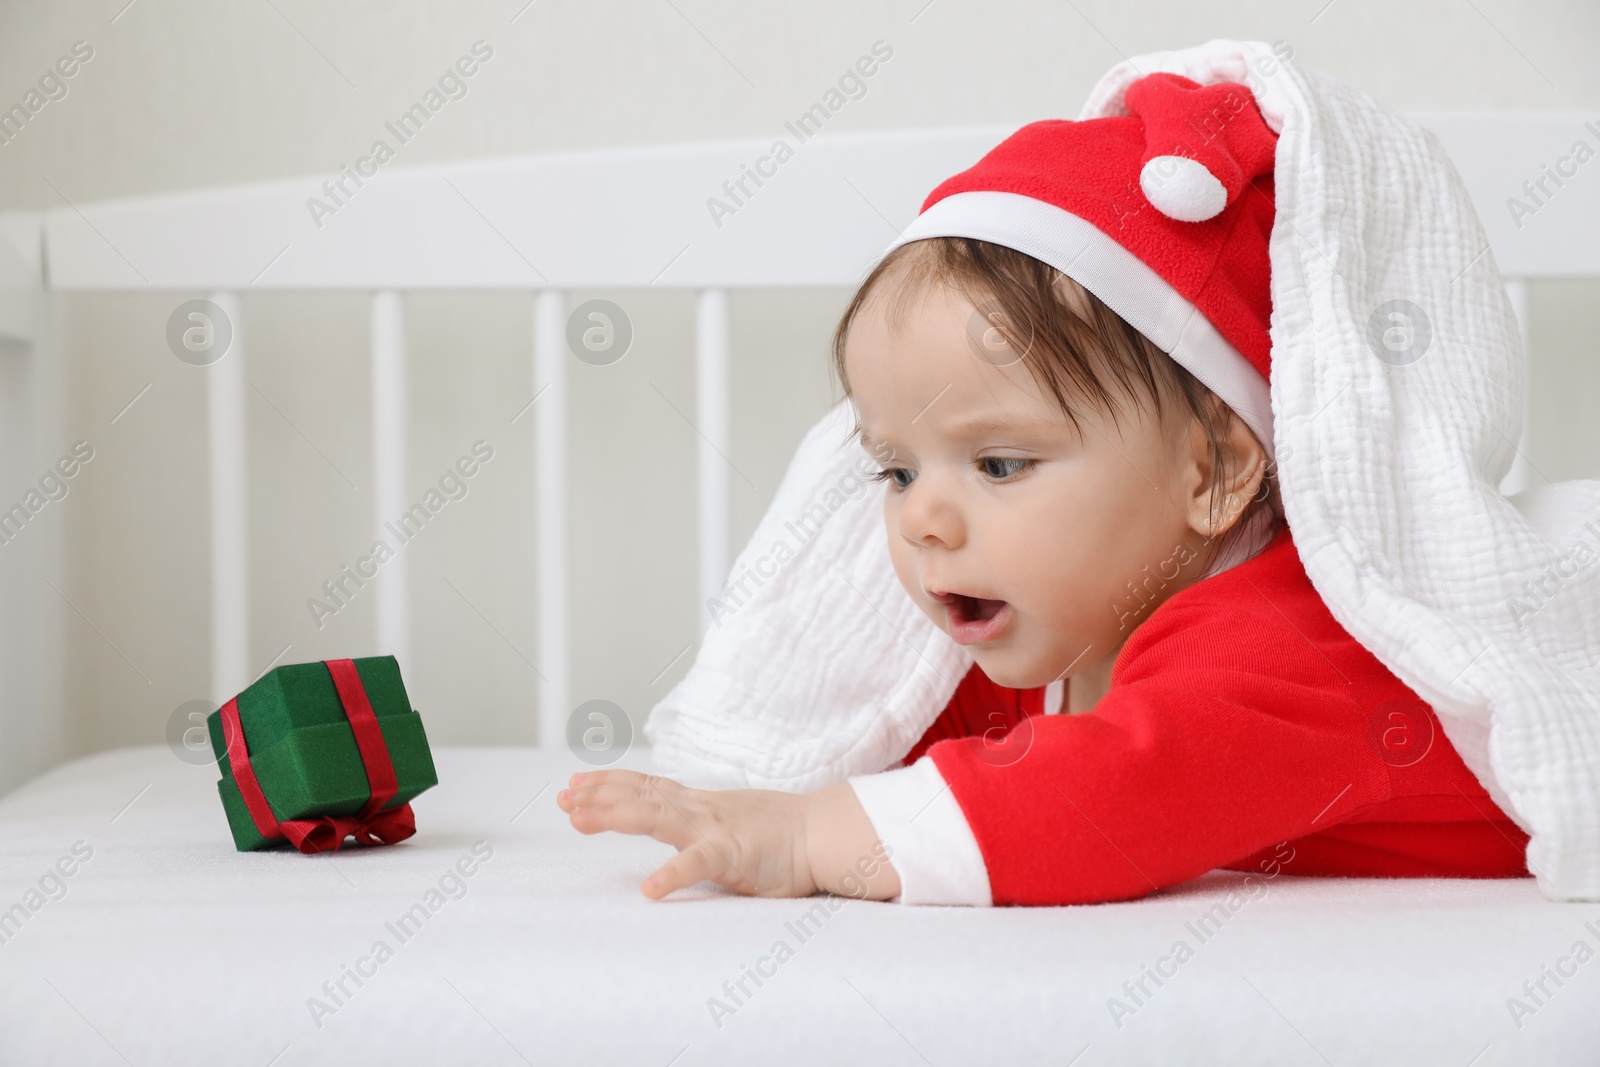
(750, 840)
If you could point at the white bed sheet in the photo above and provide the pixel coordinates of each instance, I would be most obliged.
(171, 948)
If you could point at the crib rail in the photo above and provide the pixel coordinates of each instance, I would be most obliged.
(706, 218)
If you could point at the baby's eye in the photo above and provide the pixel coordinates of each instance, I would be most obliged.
(893, 474)
(1002, 467)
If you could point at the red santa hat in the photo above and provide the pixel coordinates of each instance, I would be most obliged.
(1163, 213)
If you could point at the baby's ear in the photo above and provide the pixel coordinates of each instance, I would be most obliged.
(1217, 498)
(1073, 297)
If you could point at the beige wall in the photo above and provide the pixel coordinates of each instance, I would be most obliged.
(182, 94)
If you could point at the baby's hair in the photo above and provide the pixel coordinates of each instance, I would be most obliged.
(1075, 346)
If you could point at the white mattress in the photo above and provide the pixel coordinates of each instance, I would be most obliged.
(171, 948)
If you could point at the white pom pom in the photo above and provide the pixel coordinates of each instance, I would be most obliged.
(1182, 189)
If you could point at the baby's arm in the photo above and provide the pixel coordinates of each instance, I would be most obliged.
(843, 848)
(756, 841)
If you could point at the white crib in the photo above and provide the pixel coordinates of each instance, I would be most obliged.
(546, 224)
(1411, 971)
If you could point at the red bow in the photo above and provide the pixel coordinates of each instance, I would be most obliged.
(326, 833)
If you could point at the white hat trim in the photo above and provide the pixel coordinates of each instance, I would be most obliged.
(1130, 287)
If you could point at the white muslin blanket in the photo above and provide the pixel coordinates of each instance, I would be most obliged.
(1398, 375)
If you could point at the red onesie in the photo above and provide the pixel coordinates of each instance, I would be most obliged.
(1240, 716)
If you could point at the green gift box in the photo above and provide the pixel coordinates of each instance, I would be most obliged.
(305, 758)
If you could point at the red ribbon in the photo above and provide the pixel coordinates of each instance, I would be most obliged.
(326, 833)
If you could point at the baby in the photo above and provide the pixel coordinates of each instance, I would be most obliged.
(1081, 493)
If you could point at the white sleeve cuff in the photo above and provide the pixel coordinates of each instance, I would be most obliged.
(929, 842)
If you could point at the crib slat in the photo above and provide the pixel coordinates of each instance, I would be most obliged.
(712, 388)
(389, 455)
(550, 512)
(1521, 475)
(226, 430)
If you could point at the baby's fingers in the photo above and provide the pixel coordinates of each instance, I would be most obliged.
(630, 805)
(695, 863)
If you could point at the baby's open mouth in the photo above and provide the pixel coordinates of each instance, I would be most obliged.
(972, 619)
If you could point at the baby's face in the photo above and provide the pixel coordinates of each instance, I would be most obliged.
(1015, 534)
